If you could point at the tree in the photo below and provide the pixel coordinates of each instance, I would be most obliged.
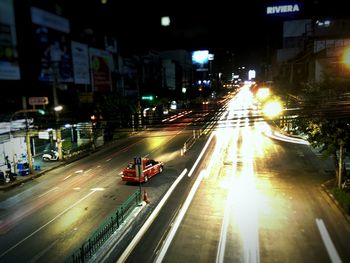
(325, 122)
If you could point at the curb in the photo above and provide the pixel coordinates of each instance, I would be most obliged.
(112, 242)
(335, 201)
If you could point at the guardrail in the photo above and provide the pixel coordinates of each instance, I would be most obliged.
(101, 235)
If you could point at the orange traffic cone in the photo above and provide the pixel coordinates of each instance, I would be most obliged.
(145, 197)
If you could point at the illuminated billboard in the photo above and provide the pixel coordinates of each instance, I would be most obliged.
(200, 59)
(284, 8)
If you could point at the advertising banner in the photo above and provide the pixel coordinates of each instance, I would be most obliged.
(101, 67)
(55, 48)
(80, 55)
(200, 59)
(9, 67)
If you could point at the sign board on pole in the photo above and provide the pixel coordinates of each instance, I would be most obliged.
(138, 167)
(38, 101)
(137, 160)
(44, 135)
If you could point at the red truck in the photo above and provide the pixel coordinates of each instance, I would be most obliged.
(148, 169)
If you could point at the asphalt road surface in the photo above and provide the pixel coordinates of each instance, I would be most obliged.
(48, 218)
(255, 196)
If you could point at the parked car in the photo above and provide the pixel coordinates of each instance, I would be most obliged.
(148, 169)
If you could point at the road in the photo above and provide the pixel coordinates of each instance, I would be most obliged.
(48, 218)
(255, 197)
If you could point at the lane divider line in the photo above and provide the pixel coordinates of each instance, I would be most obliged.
(201, 155)
(327, 241)
(150, 219)
(179, 218)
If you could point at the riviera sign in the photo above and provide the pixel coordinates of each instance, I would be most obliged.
(281, 9)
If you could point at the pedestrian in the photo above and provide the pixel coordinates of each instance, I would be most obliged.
(8, 163)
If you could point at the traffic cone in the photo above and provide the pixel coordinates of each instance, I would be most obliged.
(145, 197)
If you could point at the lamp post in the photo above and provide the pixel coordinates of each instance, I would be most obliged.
(57, 109)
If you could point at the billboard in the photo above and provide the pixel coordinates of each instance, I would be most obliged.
(101, 67)
(200, 59)
(51, 32)
(9, 67)
(284, 8)
(80, 54)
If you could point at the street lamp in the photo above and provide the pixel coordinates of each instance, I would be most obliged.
(58, 109)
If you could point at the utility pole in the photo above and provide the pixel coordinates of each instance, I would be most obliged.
(55, 70)
(340, 164)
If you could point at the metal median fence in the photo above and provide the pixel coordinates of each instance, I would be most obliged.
(106, 229)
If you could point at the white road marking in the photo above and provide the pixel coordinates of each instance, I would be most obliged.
(108, 159)
(53, 189)
(68, 176)
(327, 241)
(200, 155)
(179, 218)
(149, 221)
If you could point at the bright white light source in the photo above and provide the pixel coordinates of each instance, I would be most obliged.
(58, 108)
(251, 74)
(272, 109)
(165, 21)
(200, 56)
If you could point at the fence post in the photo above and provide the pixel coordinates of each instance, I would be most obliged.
(121, 208)
(112, 220)
(90, 248)
(117, 215)
(82, 257)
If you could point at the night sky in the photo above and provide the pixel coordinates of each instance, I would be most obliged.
(240, 26)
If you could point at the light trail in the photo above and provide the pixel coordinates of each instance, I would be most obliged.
(46, 224)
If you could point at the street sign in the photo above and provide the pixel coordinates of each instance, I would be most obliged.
(137, 160)
(38, 101)
(44, 135)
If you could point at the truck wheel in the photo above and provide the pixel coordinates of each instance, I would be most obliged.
(160, 169)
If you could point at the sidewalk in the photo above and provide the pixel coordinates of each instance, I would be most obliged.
(329, 186)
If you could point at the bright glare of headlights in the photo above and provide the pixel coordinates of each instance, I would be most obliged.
(272, 109)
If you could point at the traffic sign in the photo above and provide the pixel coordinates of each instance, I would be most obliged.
(137, 160)
(38, 101)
